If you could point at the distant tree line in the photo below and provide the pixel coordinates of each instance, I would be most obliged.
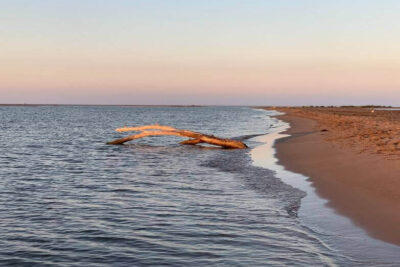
(349, 106)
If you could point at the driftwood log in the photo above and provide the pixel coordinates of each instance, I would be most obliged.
(195, 137)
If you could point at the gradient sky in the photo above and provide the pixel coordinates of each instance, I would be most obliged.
(248, 52)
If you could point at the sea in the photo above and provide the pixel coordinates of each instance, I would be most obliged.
(68, 199)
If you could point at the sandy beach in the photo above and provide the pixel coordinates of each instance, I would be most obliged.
(352, 156)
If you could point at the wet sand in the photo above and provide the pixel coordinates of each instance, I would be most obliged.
(360, 177)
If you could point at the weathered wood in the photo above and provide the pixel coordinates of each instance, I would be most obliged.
(191, 142)
(196, 137)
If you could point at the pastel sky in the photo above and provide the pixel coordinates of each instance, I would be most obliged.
(241, 52)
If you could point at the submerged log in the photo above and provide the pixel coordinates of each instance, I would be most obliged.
(195, 137)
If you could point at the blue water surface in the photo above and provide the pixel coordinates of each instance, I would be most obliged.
(67, 199)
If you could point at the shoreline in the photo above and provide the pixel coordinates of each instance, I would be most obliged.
(361, 186)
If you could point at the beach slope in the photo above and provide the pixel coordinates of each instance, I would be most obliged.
(352, 156)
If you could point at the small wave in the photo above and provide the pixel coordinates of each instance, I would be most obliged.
(259, 179)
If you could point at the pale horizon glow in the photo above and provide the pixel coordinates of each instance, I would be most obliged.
(188, 52)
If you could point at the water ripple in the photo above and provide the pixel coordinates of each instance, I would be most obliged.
(66, 199)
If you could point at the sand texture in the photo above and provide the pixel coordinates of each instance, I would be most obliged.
(364, 129)
(352, 157)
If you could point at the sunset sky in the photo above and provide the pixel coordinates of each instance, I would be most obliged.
(247, 52)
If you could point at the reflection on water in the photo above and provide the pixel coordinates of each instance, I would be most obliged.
(67, 199)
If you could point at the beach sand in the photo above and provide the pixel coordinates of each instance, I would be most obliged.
(352, 157)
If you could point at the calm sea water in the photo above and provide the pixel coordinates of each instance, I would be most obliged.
(67, 199)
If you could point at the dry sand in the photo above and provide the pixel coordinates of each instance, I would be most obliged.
(352, 157)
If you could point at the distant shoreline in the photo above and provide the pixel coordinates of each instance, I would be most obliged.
(358, 183)
(97, 105)
(383, 107)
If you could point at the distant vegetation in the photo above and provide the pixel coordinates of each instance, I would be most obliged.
(349, 106)
(367, 106)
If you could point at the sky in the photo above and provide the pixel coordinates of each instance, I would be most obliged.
(247, 52)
